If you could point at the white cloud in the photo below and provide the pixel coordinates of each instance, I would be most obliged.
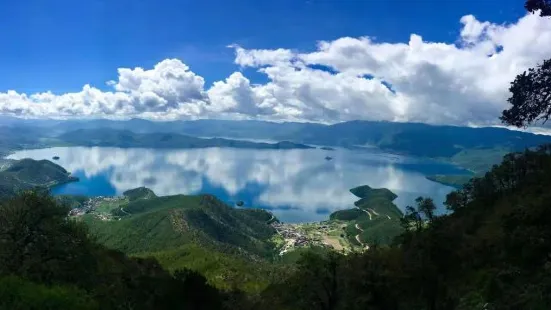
(462, 83)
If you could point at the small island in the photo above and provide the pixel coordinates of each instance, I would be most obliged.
(55, 158)
(452, 180)
(327, 148)
(328, 158)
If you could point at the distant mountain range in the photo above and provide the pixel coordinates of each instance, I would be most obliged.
(456, 144)
(126, 138)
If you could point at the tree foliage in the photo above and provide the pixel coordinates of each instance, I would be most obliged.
(531, 90)
(40, 244)
(544, 6)
(492, 252)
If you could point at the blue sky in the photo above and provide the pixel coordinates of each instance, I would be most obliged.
(429, 61)
(62, 45)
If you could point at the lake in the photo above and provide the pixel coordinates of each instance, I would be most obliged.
(296, 185)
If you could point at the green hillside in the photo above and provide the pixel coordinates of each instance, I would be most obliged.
(366, 192)
(159, 223)
(197, 232)
(375, 220)
(49, 262)
(452, 180)
(139, 193)
(29, 173)
(490, 252)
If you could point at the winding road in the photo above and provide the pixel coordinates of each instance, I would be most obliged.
(373, 211)
(125, 211)
(368, 213)
(358, 235)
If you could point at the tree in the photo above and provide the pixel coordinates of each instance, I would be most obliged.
(39, 243)
(415, 218)
(531, 97)
(426, 207)
(531, 90)
(49, 260)
(543, 5)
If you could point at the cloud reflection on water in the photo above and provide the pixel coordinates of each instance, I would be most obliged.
(299, 185)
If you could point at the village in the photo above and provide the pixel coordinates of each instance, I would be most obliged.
(101, 206)
(322, 234)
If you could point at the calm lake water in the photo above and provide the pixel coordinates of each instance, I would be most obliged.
(297, 185)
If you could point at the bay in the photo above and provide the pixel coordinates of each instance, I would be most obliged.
(296, 185)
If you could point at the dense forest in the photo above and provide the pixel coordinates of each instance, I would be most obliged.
(491, 251)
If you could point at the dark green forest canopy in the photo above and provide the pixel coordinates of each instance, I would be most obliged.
(29, 173)
(493, 249)
(45, 258)
(492, 252)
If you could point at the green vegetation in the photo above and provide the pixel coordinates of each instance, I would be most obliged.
(71, 201)
(366, 192)
(139, 193)
(453, 180)
(223, 270)
(197, 232)
(374, 221)
(405, 138)
(490, 253)
(346, 215)
(479, 160)
(124, 138)
(160, 223)
(49, 262)
(28, 173)
(17, 293)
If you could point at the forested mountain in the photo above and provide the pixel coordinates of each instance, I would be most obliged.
(454, 143)
(49, 262)
(124, 138)
(230, 246)
(491, 252)
(26, 174)
(375, 220)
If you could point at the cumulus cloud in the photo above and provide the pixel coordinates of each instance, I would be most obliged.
(463, 83)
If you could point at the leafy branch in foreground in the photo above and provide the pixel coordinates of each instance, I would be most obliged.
(531, 90)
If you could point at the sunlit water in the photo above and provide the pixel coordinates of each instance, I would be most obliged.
(297, 185)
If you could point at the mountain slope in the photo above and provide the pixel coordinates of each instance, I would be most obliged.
(29, 173)
(375, 220)
(408, 138)
(491, 252)
(230, 246)
(125, 138)
(160, 223)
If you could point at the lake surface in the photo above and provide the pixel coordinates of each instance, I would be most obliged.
(297, 185)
